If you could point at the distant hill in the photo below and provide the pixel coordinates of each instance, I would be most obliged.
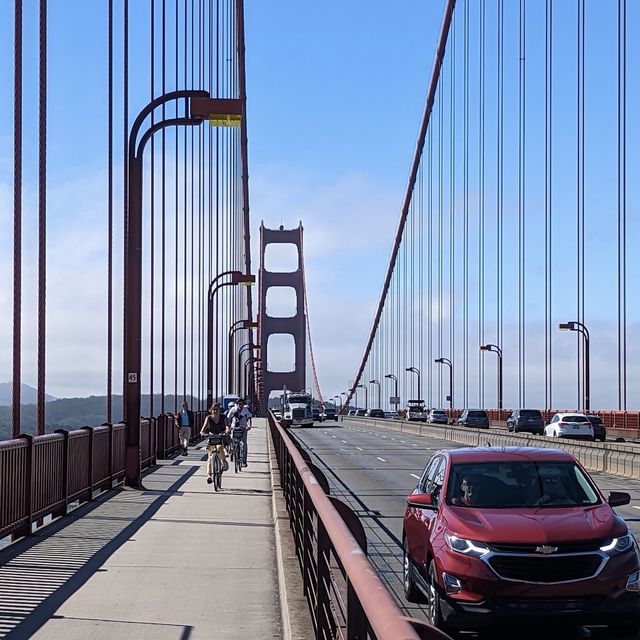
(28, 395)
(73, 413)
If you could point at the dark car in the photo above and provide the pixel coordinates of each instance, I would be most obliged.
(599, 430)
(352, 412)
(361, 413)
(315, 413)
(331, 414)
(476, 418)
(529, 420)
(511, 535)
(375, 413)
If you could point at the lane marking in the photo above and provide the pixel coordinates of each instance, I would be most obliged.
(334, 436)
(381, 459)
(359, 448)
(344, 441)
(414, 444)
(403, 442)
(414, 476)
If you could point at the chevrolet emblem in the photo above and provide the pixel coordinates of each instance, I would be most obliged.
(546, 549)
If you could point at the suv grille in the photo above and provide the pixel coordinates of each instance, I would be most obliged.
(549, 604)
(547, 569)
(563, 547)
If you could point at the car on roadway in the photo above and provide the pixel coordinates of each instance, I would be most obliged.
(476, 418)
(352, 412)
(375, 413)
(331, 414)
(599, 430)
(415, 411)
(361, 413)
(569, 425)
(316, 415)
(529, 420)
(437, 416)
(390, 415)
(510, 535)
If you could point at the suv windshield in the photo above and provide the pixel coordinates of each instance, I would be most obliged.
(574, 419)
(530, 413)
(594, 419)
(476, 414)
(519, 485)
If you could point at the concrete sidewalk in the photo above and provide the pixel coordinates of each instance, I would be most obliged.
(175, 562)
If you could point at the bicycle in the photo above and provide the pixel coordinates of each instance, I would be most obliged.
(237, 448)
(216, 463)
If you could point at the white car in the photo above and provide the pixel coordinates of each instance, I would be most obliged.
(569, 425)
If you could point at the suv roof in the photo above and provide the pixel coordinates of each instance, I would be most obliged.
(506, 454)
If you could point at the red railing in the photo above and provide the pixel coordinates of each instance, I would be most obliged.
(346, 596)
(42, 475)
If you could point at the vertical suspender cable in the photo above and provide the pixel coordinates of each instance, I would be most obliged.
(580, 193)
(176, 217)
(17, 218)
(500, 176)
(110, 218)
(42, 220)
(163, 219)
(125, 132)
(452, 204)
(152, 234)
(465, 232)
(521, 211)
(481, 361)
(548, 120)
(192, 249)
(622, 205)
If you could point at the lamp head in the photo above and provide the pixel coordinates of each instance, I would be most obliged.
(567, 326)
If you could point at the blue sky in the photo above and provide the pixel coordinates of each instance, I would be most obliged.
(336, 91)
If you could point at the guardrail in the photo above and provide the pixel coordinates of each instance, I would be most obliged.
(42, 476)
(610, 457)
(346, 597)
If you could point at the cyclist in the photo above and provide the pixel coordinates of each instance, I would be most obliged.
(215, 423)
(240, 418)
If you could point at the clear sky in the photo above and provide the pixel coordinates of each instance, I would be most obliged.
(335, 95)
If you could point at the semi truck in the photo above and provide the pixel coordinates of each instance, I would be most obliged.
(297, 409)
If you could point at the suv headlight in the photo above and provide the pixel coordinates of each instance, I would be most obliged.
(466, 547)
(619, 545)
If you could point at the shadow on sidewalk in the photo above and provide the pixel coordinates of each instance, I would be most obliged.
(38, 574)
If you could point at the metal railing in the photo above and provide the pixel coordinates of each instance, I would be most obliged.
(346, 597)
(41, 476)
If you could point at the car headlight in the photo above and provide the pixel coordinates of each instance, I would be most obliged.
(466, 547)
(619, 545)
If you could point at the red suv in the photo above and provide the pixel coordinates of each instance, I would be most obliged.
(502, 535)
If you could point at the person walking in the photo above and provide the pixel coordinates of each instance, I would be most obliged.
(184, 424)
(240, 418)
(216, 423)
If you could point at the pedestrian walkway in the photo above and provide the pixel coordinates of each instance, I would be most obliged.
(174, 562)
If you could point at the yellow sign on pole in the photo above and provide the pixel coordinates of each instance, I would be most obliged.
(225, 120)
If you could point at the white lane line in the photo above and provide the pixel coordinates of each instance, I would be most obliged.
(345, 442)
(413, 475)
(381, 459)
(403, 442)
(359, 448)
(334, 436)
(634, 506)
(414, 444)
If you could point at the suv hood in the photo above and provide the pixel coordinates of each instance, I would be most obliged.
(534, 526)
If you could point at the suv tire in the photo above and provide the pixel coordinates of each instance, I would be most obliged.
(434, 612)
(411, 591)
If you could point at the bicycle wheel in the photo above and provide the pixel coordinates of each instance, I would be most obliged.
(241, 455)
(237, 457)
(217, 472)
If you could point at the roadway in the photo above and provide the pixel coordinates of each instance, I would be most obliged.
(373, 469)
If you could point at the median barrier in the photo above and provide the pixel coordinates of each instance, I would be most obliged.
(607, 457)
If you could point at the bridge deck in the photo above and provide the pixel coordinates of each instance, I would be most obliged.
(175, 562)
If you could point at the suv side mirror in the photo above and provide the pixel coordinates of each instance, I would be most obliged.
(421, 501)
(618, 498)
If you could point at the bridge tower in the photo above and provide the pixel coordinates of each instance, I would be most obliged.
(294, 326)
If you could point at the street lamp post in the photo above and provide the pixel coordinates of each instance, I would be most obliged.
(198, 107)
(450, 365)
(581, 328)
(366, 396)
(392, 376)
(496, 349)
(379, 392)
(417, 372)
(237, 277)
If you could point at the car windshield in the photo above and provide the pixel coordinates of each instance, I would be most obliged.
(477, 414)
(574, 419)
(520, 485)
(437, 412)
(530, 413)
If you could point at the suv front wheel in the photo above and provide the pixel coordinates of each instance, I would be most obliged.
(434, 612)
(411, 591)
